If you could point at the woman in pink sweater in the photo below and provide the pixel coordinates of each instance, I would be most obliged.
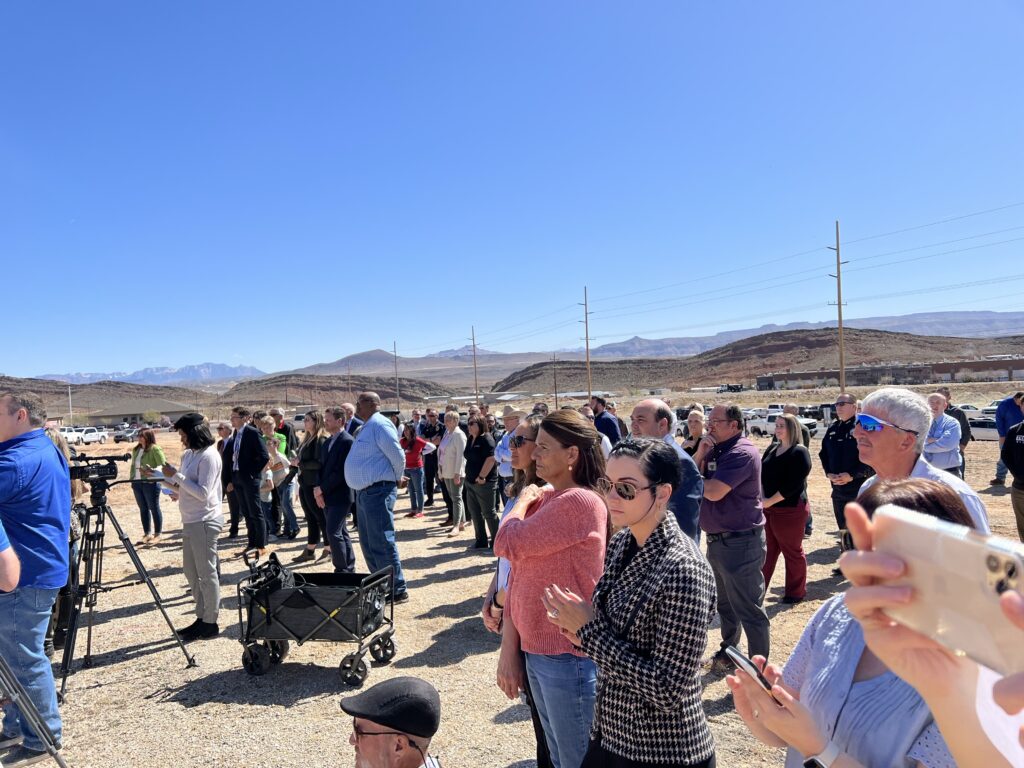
(557, 536)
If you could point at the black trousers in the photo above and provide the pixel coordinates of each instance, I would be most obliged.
(839, 502)
(599, 757)
(429, 477)
(316, 522)
(247, 491)
(276, 511)
(233, 514)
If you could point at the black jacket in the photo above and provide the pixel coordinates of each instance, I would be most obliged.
(1012, 454)
(965, 425)
(839, 454)
(309, 461)
(288, 431)
(332, 470)
(252, 456)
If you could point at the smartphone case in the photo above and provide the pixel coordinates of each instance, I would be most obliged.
(957, 576)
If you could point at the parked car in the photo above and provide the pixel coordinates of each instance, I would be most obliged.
(990, 409)
(127, 435)
(983, 428)
(299, 422)
(765, 427)
(72, 434)
(94, 435)
(970, 411)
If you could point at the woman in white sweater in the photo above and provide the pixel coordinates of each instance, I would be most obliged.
(451, 467)
(197, 487)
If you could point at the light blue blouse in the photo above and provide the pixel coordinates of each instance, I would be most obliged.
(881, 722)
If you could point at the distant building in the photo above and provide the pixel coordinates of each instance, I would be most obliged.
(134, 410)
(1010, 368)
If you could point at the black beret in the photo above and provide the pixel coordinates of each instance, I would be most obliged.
(406, 704)
(189, 420)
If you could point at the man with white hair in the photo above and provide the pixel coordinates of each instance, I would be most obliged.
(942, 446)
(891, 431)
(653, 418)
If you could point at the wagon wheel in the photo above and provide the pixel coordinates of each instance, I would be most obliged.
(278, 650)
(383, 649)
(256, 659)
(353, 670)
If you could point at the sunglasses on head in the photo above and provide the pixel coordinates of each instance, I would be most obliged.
(624, 489)
(516, 441)
(875, 424)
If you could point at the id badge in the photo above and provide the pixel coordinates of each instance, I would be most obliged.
(712, 465)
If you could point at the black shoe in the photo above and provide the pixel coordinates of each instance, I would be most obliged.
(201, 630)
(428, 503)
(232, 534)
(790, 600)
(189, 632)
(401, 597)
(479, 545)
(838, 572)
(306, 556)
(808, 532)
(60, 637)
(48, 648)
(996, 481)
(292, 534)
(718, 662)
(22, 755)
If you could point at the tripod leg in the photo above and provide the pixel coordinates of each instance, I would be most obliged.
(144, 574)
(12, 688)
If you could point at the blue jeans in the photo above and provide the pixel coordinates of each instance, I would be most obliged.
(376, 506)
(24, 616)
(342, 555)
(284, 492)
(564, 688)
(415, 487)
(147, 496)
(1001, 470)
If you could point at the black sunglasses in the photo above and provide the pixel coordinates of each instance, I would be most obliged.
(624, 490)
(516, 441)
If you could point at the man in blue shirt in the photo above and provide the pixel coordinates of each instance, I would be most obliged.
(373, 467)
(1008, 414)
(605, 423)
(10, 567)
(35, 512)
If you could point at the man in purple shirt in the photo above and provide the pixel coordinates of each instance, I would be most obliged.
(732, 516)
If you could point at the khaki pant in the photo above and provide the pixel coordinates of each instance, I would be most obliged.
(199, 554)
(1017, 500)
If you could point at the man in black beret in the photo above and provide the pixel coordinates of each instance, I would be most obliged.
(393, 723)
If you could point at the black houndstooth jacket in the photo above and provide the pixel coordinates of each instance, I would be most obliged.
(653, 607)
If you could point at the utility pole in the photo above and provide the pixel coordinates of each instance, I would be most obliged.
(586, 335)
(554, 373)
(839, 307)
(71, 411)
(398, 395)
(476, 380)
(350, 392)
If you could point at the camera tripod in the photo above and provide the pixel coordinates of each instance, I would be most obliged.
(12, 689)
(89, 564)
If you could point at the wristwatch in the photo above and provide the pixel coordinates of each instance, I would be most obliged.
(824, 759)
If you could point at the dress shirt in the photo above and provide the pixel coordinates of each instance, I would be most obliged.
(503, 455)
(376, 455)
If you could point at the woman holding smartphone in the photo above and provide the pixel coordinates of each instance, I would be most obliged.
(147, 453)
(785, 466)
(647, 626)
(842, 704)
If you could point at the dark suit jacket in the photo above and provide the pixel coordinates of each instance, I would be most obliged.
(252, 456)
(332, 470)
(685, 502)
(353, 425)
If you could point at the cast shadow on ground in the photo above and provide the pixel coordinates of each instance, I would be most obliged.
(120, 655)
(484, 566)
(523, 764)
(517, 713)
(468, 607)
(450, 646)
(236, 686)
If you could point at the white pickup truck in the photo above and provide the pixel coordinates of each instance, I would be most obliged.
(764, 426)
(93, 435)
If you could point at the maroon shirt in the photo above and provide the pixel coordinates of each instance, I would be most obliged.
(736, 463)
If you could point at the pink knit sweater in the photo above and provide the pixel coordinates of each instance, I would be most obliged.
(560, 540)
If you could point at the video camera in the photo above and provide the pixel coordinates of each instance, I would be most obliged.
(99, 468)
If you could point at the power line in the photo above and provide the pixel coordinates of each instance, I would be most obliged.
(935, 223)
(933, 255)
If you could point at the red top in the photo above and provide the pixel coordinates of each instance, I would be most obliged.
(413, 452)
(561, 540)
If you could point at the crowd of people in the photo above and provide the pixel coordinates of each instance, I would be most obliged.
(617, 547)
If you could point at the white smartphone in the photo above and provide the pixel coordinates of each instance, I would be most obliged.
(957, 576)
(746, 665)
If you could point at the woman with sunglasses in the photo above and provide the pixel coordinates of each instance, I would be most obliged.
(511, 663)
(785, 466)
(647, 626)
(695, 425)
(557, 535)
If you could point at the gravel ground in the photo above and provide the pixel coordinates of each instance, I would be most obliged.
(139, 705)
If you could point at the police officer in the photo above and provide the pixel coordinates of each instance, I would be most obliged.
(841, 460)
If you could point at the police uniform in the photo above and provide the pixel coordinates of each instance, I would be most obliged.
(839, 454)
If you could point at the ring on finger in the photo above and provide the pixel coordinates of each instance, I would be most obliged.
(553, 613)
(756, 714)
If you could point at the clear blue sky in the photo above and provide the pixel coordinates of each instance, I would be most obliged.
(284, 184)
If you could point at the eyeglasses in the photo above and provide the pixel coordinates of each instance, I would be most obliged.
(359, 734)
(875, 424)
(624, 490)
(517, 441)
(837, 403)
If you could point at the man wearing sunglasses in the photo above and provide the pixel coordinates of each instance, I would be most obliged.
(841, 460)
(891, 430)
(393, 723)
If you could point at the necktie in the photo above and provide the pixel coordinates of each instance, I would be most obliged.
(236, 446)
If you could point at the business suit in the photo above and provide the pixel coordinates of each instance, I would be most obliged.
(338, 499)
(225, 479)
(246, 462)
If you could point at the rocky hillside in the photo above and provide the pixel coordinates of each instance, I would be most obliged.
(93, 397)
(320, 390)
(744, 360)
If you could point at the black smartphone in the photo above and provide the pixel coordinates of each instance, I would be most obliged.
(746, 665)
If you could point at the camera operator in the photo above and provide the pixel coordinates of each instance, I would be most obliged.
(35, 496)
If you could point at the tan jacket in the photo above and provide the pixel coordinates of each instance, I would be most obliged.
(451, 459)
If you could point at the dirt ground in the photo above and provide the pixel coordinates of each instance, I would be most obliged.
(139, 705)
